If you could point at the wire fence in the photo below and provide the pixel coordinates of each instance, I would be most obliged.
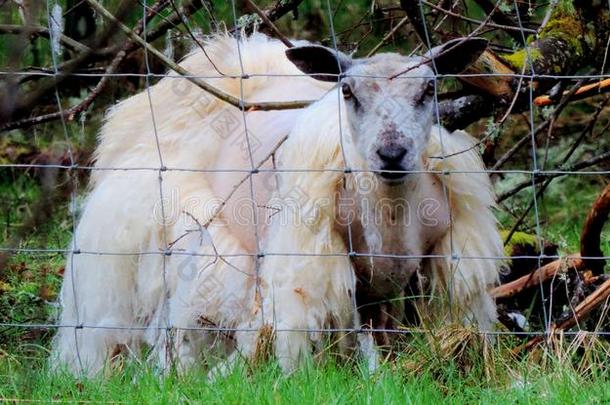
(181, 250)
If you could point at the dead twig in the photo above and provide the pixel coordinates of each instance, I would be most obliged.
(283, 7)
(25, 102)
(193, 37)
(585, 91)
(562, 171)
(387, 36)
(591, 235)
(514, 28)
(564, 167)
(188, 8)
(502, 19)
(542, 127)
(270, 155)
(416, 17)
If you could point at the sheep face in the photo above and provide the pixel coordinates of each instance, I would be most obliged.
(389, 118)
(389, 99)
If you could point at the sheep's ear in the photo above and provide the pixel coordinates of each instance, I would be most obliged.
(456, 55)
(319, 62)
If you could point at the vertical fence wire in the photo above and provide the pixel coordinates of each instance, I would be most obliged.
(532, 123)
(166, 327)
(244, 75)
(454, 258)
(53, 25)
(356, 321)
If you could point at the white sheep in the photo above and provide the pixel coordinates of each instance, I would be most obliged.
(154, 261)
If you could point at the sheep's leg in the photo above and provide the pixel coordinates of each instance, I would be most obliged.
(224, 368)
(292, 318)
(466, 273)
(208, 290)
(481, 311)
(178, 348)
(93, 324)
(299, 301)
(369, 351)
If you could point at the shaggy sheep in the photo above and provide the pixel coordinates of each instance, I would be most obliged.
(366, 193)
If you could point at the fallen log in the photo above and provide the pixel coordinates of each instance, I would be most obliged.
(581, 311)
(544, 273)
(590, 251)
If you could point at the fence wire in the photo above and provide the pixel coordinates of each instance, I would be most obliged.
(537, 173)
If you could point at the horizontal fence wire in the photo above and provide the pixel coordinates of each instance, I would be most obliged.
(540, 173)
(263, 254)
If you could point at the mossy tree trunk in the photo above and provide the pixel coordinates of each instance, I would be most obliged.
(573, 38)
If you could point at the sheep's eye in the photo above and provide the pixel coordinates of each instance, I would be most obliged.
(428, 92)
(346, 90)
(430, 88)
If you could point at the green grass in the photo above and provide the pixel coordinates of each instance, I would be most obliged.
(328, 384)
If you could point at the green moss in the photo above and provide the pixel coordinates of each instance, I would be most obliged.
(518, 238)
(565, 7)
(563, 26)
(519, 58)
(567, 28)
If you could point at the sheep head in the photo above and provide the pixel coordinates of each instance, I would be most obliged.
(389, 98)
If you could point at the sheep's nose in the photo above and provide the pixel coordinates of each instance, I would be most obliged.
(391, 156)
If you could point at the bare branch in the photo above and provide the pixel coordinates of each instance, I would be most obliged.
(228, 98)
(589, 90)
(25, 102)
(562, 171)
(414, 11)
(71, 112)
(590, 239)
(582, 310)
(43, 32)
(501, 19)
(269, 24)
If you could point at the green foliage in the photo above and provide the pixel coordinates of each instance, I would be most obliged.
(30, 283)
